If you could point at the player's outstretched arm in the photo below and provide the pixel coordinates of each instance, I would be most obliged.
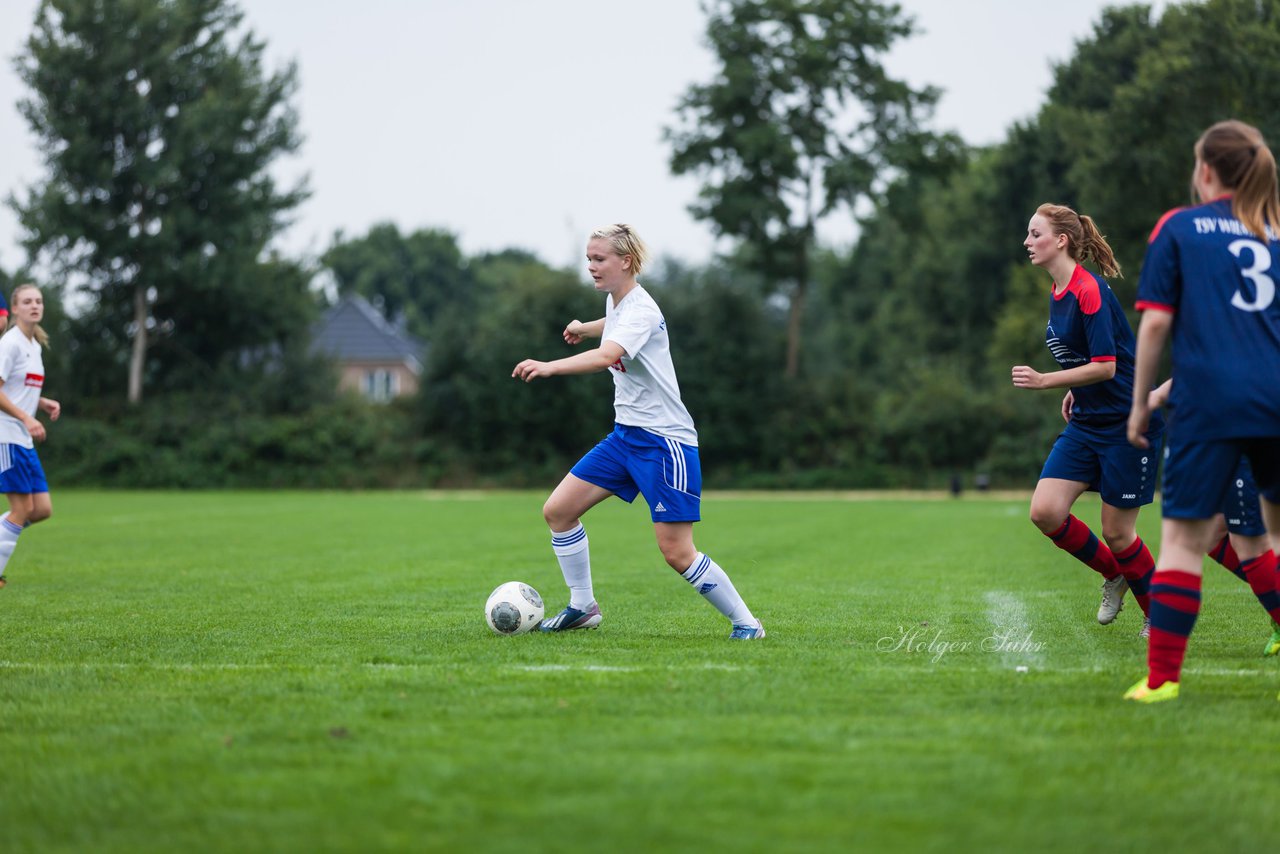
(1153, 331)
(589, 362)
(576, 331)
(1025, 376)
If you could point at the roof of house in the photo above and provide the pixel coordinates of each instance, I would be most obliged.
(353, 331)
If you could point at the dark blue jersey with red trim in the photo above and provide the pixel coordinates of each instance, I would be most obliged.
(1087, 324)
(1219, 281)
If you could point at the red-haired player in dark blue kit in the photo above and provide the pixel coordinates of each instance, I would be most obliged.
(1209, 283)
(1092, 341)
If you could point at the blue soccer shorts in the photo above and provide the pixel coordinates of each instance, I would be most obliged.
(1123, 475)
(1241, 508)
(1200, 476)
(631, 461)
(20, 471)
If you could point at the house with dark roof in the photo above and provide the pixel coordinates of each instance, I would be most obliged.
(377, 359)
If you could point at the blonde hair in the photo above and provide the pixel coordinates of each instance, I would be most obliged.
(624, 241)
(1084, 241)
(41, 336)
(1244, 164)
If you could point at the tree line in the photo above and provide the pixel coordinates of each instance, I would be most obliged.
(804, 366)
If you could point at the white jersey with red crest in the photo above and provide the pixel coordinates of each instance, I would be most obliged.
(22, 370)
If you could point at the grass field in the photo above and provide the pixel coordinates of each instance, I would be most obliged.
(311, 672)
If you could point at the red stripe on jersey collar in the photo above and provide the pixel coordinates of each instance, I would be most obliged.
(1078, 277)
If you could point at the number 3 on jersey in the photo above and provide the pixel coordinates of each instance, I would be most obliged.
(1264, 286)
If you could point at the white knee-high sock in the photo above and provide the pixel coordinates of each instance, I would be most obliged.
(573, 550)
(713, 583)
(8, 540)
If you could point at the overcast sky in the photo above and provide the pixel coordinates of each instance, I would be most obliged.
(524, 123)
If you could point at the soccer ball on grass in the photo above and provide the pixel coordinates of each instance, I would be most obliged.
(513, 609)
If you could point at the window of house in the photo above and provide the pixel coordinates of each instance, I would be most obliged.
(381, 384)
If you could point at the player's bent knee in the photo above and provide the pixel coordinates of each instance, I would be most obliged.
(1047, 519)
(559, 520)
(679, 559)
(553, 513)
(1120, 537)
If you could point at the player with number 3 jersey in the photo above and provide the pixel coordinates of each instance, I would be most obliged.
(1209, 283)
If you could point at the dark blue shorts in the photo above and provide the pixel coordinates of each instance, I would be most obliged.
(1123, 475)
(1199, 477)
(1244, 514)
(631, 461)
(20, 471)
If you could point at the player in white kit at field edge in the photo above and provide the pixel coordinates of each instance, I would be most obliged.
(21, 381)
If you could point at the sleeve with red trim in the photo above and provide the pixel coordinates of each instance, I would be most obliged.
(1160, 284)
(1098, 326)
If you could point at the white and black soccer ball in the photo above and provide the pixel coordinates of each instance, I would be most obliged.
(513, 609)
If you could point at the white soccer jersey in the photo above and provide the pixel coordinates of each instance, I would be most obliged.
(22, 370)
(645, 391)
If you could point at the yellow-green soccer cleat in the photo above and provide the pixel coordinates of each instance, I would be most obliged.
(1273, 645)
(1140, 693)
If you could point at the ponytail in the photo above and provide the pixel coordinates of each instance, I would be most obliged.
(1255, 202)
(1239, 156)
(1084, 241)
(1095, 247)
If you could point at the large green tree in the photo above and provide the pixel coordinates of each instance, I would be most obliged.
(942, 261)
(1203, 62)
(802, 119)
(158, 126)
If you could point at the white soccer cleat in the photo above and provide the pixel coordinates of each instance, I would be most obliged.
(571, 618)
(1113, 590)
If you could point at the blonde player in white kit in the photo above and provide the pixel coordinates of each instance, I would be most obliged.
(22, 374)
(653, 449)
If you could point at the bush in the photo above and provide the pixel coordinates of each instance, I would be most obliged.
(201, 444)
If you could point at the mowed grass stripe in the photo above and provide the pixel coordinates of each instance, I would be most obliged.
(288, 671)
(1192, 670)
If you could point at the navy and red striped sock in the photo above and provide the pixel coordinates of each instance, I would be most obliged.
(1175, 604)
(1137, 566)
(1224, 554)
(1075, 538)
(1260, 572)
